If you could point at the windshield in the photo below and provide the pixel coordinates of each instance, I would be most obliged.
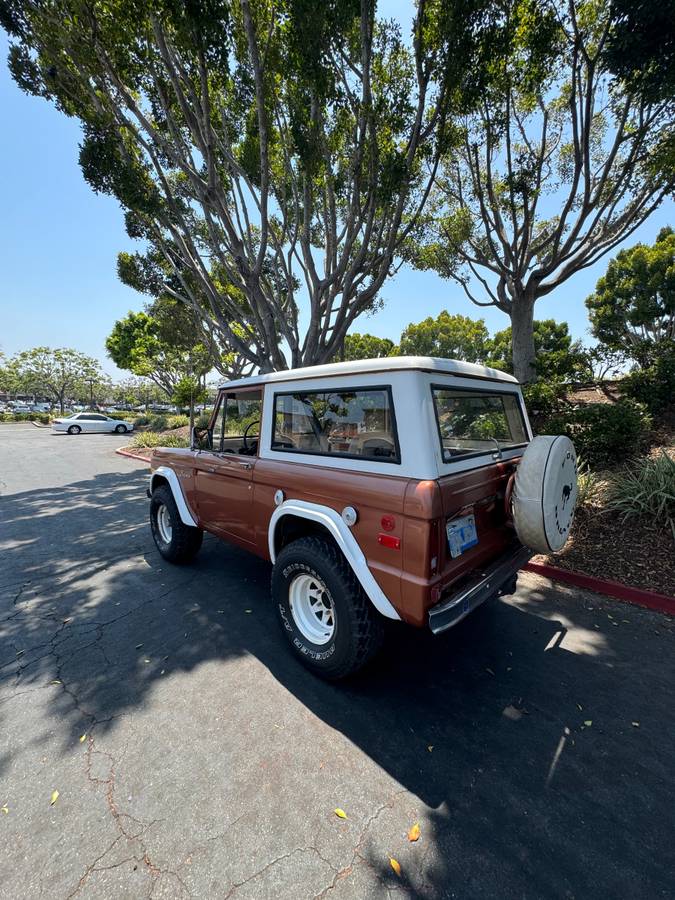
(475, 422)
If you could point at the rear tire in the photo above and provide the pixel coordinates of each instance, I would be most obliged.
(74, 429)
(330, 623)
(177, 542)
(120, 429)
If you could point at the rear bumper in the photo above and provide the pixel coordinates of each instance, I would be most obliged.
(477, 589)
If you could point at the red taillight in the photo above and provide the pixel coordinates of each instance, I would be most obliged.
(389, 540)
(388, 522)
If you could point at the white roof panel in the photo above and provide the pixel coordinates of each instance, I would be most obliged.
(386, 364)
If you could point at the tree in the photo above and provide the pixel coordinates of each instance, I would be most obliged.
(632, 309)
(560, 163)
(450, 337)
(558, 358)
(366, 346)
(260, 149)
(57, 374)
(139, 344)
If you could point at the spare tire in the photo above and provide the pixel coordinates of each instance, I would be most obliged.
(545, 493)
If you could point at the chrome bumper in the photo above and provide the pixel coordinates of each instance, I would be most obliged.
(479, 588)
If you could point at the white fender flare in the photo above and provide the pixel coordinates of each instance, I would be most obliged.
(183, 509)
(339, 530)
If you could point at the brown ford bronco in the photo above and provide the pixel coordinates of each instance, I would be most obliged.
(403, 488)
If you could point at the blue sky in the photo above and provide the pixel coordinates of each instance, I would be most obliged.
(59, 243)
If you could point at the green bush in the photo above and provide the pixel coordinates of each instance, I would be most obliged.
(158, 423)
(603, 433)
(543, 398)
(654, 386)
(178, 421)
(141, 420)
(203, 420)
(43, 418)
(153, 439)
(646, 488)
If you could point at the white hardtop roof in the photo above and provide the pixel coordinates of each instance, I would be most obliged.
(386, 364)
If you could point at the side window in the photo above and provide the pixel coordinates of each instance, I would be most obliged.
(237, 422)
(353, 423)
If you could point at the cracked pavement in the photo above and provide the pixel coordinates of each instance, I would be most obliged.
(195, 758)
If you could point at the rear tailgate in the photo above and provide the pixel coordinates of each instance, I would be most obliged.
(480, 493)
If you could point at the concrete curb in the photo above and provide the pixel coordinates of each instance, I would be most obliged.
(637, 596)
(124, 452)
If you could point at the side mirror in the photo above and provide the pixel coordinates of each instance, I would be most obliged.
(201, 439)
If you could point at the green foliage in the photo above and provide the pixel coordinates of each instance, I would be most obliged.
(633, 307)
(43, 418)
(558, 358)
(177, 421)
(153, 439)
(203, 420)
(447, 336)
(242, 138)
(589, 484)
(646, 489)
(142, 420)
(654, 386)
(543, 398)
(366, 346)
(603, 433)
(58, 374)
(189, 391)
(641, 46)
(158, 423)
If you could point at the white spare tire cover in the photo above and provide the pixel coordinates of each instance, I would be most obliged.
(545, 493)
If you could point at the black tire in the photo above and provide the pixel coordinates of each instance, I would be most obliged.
(185, 540)
(358, 631)
(120, 429)
(74, 429)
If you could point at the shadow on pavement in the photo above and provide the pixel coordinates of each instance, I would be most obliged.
(87, 602)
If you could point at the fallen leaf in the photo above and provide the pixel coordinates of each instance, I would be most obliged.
(588, 723)
(487, 669)
(579, 707)
(248, 610)
(83, 738)
(5, 809)
(635, 724)
(138, 646)
(414, 833)
(340, 813)
(146, 660)
(396, 865)
(430, 747)
(54, 798)
(56, 681)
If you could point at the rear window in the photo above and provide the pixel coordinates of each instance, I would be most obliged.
(475, 422)
(352, 423)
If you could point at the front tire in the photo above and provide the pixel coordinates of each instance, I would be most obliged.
(120, 429)
(177, 542)
(74, 429)
(330, 623)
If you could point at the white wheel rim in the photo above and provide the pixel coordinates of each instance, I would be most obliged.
(164, 524)
(312, 609)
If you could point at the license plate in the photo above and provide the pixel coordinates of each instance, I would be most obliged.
(461, 535)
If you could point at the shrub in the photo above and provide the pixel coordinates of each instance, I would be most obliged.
(589, 484)
(153, 439)
(178, 421)
(543, 398)
(203, 420)
(158, 423)
(646, 488)
(142, 420)
(603, 432)
(654, 386)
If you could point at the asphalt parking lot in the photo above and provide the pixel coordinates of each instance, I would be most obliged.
(193, 757)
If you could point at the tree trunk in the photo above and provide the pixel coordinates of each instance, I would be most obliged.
(522, 339)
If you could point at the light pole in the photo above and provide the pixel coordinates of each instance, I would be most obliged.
(91, 392)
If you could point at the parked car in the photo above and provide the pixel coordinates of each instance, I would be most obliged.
(404, 488)
(41, 407)
(21, 408)
(90, 422)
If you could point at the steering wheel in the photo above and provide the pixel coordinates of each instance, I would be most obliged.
(247, 448)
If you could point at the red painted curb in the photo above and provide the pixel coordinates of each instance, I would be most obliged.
(637, 596)
(123, 452)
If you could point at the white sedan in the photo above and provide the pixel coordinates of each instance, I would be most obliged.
(90, 422)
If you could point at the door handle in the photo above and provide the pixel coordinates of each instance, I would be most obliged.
(210, 468)
(245, 465)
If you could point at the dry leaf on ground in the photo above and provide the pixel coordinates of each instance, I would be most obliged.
(340, 813)
(54, 798)
(414, 832)
(396, 865)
